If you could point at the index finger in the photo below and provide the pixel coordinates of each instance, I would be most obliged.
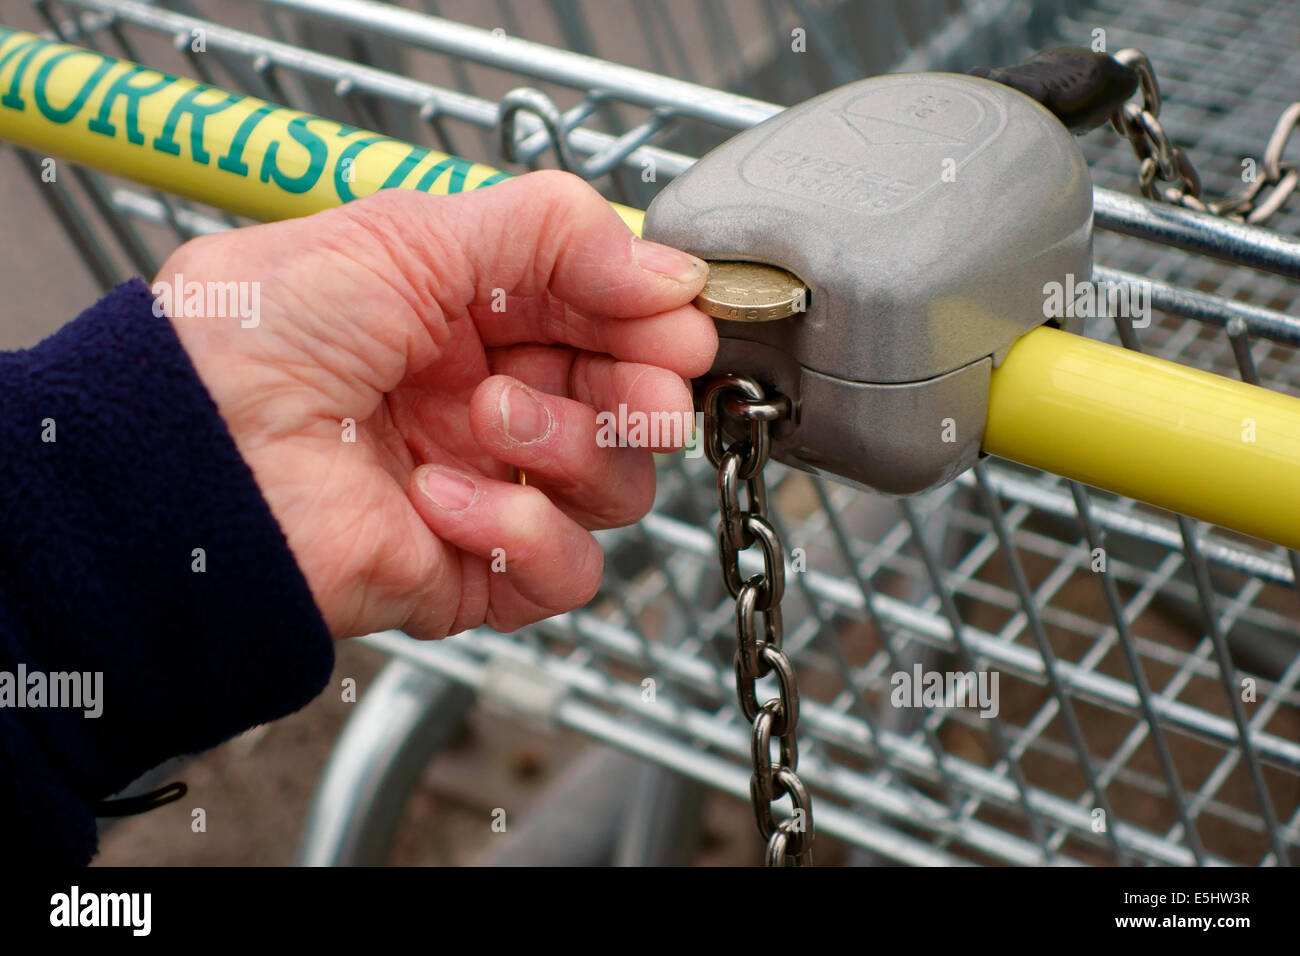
(544, 258)
(683, 340)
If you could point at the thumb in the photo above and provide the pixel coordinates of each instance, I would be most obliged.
(544, 231)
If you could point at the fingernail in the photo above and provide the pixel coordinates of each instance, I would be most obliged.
(524, 418)
(449, 490)
(666, 261)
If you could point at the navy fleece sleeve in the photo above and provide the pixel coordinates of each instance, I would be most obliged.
(115, 469)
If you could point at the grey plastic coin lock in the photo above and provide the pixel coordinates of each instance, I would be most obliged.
(926, 213)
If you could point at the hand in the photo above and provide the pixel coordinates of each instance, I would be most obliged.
(466, 337)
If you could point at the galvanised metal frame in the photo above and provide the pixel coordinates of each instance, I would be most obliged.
(902, 794)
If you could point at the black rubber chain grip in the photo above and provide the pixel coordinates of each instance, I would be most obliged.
(1081, 87)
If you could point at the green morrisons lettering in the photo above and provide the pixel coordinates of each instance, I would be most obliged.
(40, 94)
(317, 153)
(348, 158)
(22, 54)
(198, 112)
(134, 94)
(346, 129)
(12, 100)
(233, 161)
(455, 181)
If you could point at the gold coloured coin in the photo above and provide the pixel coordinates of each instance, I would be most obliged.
(751, 292)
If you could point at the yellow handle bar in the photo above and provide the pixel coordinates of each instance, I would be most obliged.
(234, 152)
(1181, 439)
(1207, 446)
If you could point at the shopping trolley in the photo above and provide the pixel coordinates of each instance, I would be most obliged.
(1147, 708)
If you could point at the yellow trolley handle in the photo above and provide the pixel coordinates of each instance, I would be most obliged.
(1190, 441)
(1209, 447)
(234, 152)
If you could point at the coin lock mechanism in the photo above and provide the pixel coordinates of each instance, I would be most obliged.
(926, 213)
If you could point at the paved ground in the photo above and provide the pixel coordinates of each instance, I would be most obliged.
(256, 789)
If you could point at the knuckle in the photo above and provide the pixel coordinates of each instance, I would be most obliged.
(641, 500)
(627, 501)
(191, 254)
(589, 573)
(561, 186)
(566, 202)
(395, 233)
(383, 217)
(629, 507)
(589, 379)
(504, 622)
(529, 519)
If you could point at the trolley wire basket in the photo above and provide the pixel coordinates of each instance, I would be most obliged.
(1145, 712)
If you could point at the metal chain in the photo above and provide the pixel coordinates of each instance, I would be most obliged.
(1165, 173)
(742, 399)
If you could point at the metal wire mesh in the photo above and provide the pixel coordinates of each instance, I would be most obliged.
(1120, 693)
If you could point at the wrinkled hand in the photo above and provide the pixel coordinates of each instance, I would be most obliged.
(382, 312)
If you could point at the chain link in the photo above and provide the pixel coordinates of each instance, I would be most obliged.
(742, 400)
(1166, 174)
